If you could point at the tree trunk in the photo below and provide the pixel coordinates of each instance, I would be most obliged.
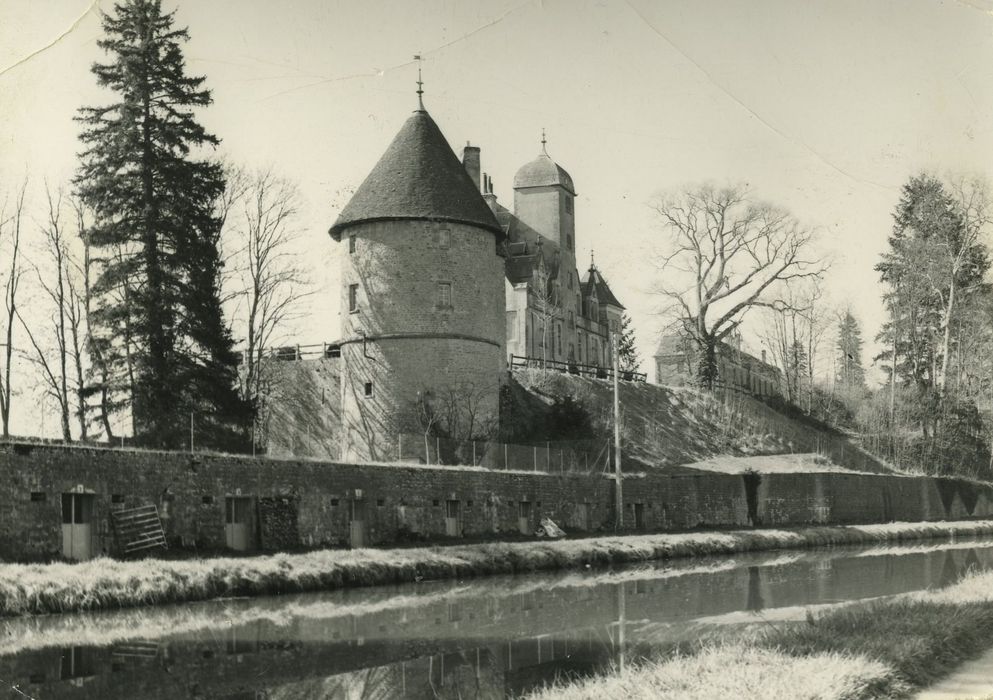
(93, 345)
(77, 357)
(893, 382)
(946, 340)
(707, 364)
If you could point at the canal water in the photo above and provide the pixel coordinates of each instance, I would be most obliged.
(490, 638)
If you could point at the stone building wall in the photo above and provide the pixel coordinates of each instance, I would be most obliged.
(415, 343)
(304, 504)
(294, 504)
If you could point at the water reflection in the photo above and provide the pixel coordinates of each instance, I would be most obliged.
(487, 639)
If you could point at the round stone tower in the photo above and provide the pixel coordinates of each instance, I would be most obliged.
(422, 314)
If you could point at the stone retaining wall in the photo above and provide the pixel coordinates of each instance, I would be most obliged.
(297, 504)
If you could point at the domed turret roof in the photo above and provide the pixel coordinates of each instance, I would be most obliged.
(418, 177)
(541, 172)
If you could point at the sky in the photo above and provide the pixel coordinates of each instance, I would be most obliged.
(823, 107)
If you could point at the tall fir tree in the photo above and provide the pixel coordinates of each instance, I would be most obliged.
(848, 366)
(627, 356)
(155, 234)
(934, 272)
(921, 284)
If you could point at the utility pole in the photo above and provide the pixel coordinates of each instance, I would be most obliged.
(618, 485)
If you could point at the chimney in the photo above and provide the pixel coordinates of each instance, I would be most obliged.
(488, 192)
(470, 161)
(763, 356)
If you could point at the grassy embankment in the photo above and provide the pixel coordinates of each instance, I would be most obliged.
(103, 583)
(675, 426)
(881, 649)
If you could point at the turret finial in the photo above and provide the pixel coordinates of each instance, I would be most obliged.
(420, 84)
(543, 141)
(592, 263)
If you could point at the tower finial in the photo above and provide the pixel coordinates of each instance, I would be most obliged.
(420, 84)
(592, 263)
(543, 141)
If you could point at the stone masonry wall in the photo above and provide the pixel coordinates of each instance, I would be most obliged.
(295, 504)
(303, 504)
(418, 345)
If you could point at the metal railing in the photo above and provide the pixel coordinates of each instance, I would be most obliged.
(294, 353)
(576, 368)
(569, 456)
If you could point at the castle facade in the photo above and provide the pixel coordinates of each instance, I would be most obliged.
(442, 285)
(553, 313)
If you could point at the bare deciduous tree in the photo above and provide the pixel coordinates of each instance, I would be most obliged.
(793, 334)
(727, 255)
(10, 224)
(784, 337)
(544, 290)
(457, 412)
(971, 202)
(58, 278)
(268, 285)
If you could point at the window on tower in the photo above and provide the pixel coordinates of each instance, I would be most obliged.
(568, 209)
(445, 295)
(444, 238)
(353, 298)
(351, 243)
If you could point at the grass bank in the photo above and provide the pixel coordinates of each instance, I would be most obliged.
(883, 649)
(27, 589)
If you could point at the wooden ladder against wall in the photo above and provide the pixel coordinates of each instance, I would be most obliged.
(138, 529)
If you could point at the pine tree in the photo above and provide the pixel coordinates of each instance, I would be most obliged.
(155, 233)
(849, 346)
(627, 356)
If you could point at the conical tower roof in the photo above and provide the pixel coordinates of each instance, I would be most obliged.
(419, 177)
